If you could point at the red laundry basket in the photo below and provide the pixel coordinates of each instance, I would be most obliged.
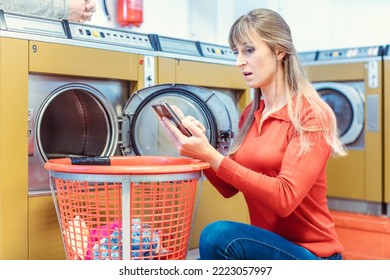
(136, 207)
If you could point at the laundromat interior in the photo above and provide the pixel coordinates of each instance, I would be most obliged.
(85, 89)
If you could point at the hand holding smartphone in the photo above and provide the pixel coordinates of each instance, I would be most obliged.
(163, 109)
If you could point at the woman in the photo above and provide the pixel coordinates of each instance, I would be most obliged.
(278, 160)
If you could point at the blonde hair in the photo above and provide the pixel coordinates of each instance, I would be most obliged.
(275, 32)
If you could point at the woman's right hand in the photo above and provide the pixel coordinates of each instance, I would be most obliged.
(187, 120)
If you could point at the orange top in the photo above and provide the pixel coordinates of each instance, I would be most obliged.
(285, 192)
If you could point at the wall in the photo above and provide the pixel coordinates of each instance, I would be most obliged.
(168, 17)
(322, 24)
(328, 24)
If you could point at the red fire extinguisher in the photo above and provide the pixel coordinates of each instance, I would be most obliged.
(130, 12)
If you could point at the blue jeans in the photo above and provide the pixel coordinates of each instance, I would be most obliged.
(226, 240)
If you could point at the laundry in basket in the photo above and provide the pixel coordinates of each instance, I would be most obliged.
(105, 243)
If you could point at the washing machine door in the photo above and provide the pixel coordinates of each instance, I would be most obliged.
(142, 134)
(347, 102)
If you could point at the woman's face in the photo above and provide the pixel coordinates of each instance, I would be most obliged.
(257, 63)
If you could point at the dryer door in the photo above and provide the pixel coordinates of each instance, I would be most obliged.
(142, 133)
(347, 102)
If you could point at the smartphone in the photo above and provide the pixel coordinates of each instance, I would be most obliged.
(163, 109)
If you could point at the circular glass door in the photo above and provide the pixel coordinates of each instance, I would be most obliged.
(342, 108)
(142, 131)
(347, 103)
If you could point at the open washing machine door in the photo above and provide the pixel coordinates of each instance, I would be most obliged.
(142, 133)
(347, 102)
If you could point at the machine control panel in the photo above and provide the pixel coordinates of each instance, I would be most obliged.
(216, 51)
(110, 36)
(177, 46)
(31, 25)
(360, 52)
(80, 32)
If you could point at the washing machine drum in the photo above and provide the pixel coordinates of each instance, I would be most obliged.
(142, 133)
(347, 103)
(76, 120)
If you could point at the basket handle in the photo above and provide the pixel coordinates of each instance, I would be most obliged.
(90, 161)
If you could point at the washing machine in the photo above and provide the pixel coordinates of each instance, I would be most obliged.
(212, 68)
(64, 87)
(350, 81)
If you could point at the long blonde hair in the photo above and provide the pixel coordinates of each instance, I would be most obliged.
(275, 32)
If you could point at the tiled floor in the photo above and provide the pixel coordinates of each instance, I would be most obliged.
(193, 254)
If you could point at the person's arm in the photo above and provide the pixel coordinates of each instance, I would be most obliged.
(285, 191)
(44, 8)
(200, 148)
(224, 188)
(73, 10)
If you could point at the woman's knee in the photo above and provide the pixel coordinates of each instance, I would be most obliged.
(213, 232)
(212, 241)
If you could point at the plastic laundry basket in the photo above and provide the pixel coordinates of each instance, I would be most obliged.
(137, 207)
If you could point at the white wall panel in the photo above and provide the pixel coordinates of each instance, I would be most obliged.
(320, 24)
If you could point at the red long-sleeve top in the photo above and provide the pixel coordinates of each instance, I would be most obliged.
(285, 192)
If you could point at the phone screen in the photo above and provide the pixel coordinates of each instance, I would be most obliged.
(164, 110)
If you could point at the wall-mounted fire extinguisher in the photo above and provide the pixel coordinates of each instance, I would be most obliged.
(130, 12)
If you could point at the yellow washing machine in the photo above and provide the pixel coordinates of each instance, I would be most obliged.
(63, 92)
(211, 69)
(350, 81)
